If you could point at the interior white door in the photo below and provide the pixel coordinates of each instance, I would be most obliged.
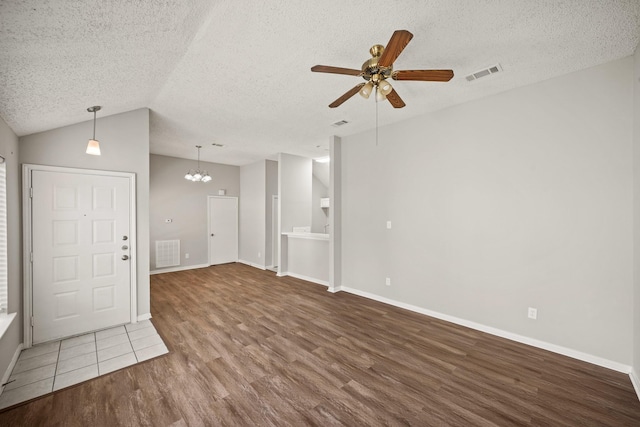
(81, 266)
(223, 230)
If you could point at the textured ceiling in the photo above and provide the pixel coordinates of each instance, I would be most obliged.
(237, 72)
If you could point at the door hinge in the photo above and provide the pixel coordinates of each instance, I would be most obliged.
(32, 321)
(31, 256)
(31, 192)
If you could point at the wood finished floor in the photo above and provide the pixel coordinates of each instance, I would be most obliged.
(250, 349)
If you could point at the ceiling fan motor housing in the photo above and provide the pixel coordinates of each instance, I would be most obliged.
(370, 69)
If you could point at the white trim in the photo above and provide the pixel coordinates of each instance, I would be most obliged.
(303, 277)
(174, 269)
(145, 316)
(250, 264)
(635, 381)
(27, 245)
(575, 354)
(12, 364)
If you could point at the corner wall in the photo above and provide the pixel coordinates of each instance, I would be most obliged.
(124, 142)
(635, 376)
(522, 199)
(253, 181)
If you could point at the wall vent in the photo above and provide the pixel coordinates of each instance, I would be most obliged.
(217, 145)
(484, 72)
(167, 253)
(340, 123)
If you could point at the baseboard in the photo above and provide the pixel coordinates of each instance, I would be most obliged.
(334, 290)
(174, 269)
(142, 317)
(635, 380)
(306, 278)
(12, 365)
(261, 267)
(585, 357)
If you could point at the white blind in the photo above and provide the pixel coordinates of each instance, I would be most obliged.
(3, 237)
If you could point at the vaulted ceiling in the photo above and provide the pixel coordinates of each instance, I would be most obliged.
(237, 73)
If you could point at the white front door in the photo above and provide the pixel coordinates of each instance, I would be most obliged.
(223, 230)
(81, 248)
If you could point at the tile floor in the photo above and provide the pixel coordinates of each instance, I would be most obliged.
(52, 366)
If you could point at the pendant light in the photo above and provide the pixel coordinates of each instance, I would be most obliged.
(93, 147)
(198, 175)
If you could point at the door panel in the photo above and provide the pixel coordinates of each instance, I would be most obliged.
(80, 281)
(223, 230)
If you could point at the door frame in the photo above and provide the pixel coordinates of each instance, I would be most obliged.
(27, 240)
(209, 226)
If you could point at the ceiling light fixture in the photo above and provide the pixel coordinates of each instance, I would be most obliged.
(93, 147)
(198, 175)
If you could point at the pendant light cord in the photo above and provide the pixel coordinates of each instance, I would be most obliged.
(376, 115)
(94, 124)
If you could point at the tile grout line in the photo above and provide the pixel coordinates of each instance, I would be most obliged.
(131, 344)
(55, 371)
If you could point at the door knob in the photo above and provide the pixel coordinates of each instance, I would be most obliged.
(125, 257)
(212, 234)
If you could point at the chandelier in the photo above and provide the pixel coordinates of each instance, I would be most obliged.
(198, 175)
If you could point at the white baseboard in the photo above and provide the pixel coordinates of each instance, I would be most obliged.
(307, 278)
(12, 365)
(575, 354)
(635, 380)
(261, 267)
(142, 317)
(174, 269)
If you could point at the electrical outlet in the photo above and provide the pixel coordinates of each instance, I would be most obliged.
(387, 281)
(186, 256)
(388, 225)
(532, 313)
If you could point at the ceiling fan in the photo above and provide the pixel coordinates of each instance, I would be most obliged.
(379, 68)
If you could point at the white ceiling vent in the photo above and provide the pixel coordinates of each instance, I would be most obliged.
(484, 72)
(340, 123)
(215, 144)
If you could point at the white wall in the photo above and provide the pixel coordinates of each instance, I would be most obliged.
(185, 203)
(522, 199)
(124, 142)
(252, 213)
(13, 336)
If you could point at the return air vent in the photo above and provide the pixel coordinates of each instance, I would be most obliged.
(340, 123)
(217, 145)
(484, 72)
(167, 253)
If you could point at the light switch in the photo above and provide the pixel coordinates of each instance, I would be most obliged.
(389, 225)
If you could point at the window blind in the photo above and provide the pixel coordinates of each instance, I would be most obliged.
(3, 236)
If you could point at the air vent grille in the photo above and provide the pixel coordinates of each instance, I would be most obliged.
(340, 123)
(484, 72)
(217, 145)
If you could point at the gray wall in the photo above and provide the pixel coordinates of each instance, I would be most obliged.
(13, 336)
(319, 216)
(253, 213)
(272, 190)
(522, 199)
(636, 215)
(294, 190)
(185, 203)
(124, 142)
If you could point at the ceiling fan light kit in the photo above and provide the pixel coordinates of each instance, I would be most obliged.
(379, 68)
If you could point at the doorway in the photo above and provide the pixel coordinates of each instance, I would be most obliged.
(80, 244)
(223, 229)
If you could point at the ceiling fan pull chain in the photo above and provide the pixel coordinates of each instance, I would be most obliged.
(376, 115)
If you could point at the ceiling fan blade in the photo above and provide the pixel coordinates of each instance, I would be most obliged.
(335, 70)
(346, 96)
(423, 75)
(399, 40)
(395, 100)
